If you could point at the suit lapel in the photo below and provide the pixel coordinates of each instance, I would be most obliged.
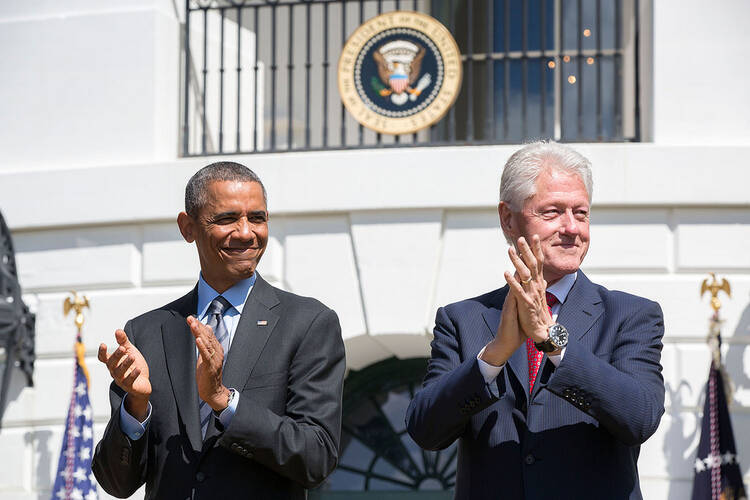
(577, 314)
(255, 327)
(581, 308)
(179, 348)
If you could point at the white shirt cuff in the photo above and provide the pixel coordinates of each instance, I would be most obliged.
(557, 357)
(130, 425)
(488, 371)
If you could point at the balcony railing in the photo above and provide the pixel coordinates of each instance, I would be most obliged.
(260, 75)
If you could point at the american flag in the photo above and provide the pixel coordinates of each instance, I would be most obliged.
(717, 471)
(74, 479)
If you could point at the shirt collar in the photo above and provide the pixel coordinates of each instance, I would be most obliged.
(236, 295)
(562, 287)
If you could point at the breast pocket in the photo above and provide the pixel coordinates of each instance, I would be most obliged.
(270, 379)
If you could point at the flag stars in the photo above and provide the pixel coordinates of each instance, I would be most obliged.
(74, 466)
(713, 461)
(80, 389)
(80, 474)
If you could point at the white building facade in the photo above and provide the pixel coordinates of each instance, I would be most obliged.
(92, 176)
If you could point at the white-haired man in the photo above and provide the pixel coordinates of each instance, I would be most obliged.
(552, 382)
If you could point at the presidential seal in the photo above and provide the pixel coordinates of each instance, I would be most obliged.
(399, 72)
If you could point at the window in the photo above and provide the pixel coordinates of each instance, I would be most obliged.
(377, 454)
(260, 75)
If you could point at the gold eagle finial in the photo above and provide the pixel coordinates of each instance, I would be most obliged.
(715, 287)
(78, 303)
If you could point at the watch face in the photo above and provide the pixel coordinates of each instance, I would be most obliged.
(559, 335)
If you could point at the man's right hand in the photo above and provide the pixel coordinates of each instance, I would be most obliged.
(509, 336)
(129, 369)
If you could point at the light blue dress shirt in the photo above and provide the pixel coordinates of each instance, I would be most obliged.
(237, 296)
(560, 289)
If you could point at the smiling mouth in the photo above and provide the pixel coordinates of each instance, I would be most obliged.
(238, 251)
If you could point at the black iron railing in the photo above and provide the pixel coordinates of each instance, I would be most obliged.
(260, 75)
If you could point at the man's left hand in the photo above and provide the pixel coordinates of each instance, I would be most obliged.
(529, 287)
(208, 369)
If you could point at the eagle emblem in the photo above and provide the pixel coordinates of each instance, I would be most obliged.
(399, 63)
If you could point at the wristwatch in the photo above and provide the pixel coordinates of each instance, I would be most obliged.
(558, 338)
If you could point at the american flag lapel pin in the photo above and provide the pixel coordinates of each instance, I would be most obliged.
(262, 322)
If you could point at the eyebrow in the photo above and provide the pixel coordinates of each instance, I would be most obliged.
(254, 213)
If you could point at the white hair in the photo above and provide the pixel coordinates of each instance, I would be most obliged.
(518, 182)
(521, 171)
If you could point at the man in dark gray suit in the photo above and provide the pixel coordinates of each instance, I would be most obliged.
(551, 383)
(234, 390)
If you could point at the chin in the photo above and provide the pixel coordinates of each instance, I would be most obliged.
(558, 271)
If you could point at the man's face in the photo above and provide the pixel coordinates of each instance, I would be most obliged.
(559, 214)
(230, 232)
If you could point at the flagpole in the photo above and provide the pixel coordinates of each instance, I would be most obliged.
(74, 479)
(717, 471)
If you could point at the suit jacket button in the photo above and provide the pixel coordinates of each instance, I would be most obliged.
(200, 477)
(530, 459)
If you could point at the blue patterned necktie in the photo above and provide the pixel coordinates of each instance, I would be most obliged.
(216, 311)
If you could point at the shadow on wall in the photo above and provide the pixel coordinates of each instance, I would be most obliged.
(676, 443)
(45, 468)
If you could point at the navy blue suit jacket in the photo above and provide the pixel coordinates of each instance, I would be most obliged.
(579, 433)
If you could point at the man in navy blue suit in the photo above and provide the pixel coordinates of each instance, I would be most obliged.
(551, 383)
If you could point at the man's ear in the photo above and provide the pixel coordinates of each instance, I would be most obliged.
(187, 226)
(506, 217)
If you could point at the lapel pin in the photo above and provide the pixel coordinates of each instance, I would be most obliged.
(262, 322)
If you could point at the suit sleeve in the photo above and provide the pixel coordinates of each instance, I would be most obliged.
(624, 390)
(120, 464)
(453, 391)
(303, 443)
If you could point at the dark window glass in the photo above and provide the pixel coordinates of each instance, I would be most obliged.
(377, 454)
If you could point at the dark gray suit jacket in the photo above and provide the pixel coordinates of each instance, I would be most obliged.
(284, 436)
(579, 434)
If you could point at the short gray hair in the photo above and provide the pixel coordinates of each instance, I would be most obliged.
(518, 182)
(195, 191)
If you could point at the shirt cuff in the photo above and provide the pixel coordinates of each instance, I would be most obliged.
(488, 371)
(557, 357)
(130, 425)
(225, 417)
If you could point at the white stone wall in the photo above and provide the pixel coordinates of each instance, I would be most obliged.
(90, 185)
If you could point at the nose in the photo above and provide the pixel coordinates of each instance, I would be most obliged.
(245, 229)
(569, 223)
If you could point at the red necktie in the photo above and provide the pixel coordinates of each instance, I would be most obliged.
(535, 356)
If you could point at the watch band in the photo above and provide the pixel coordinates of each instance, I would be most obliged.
(546, 346)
